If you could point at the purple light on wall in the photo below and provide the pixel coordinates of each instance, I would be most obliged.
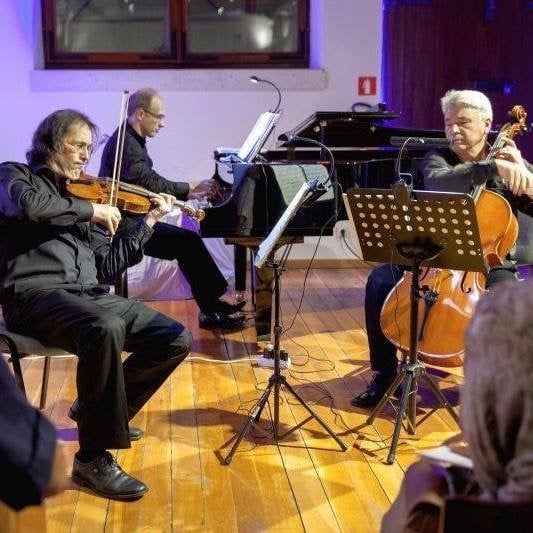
(316, 38)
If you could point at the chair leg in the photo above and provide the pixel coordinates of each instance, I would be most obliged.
(44, 383)
(15, 361)
(121, 285)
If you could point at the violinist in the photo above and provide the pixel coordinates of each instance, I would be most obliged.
(465, 165)
(53, 251)
(146, 117)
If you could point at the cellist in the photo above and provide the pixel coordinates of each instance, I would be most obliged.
(459, 168)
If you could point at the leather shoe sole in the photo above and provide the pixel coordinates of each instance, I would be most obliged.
(134, 433)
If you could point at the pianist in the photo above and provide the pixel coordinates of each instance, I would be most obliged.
(146, 117)
(467, 122)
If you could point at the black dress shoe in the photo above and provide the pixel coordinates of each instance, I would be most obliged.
(375, 391)
(225, 308)
(221, 321)
(135, 433)
(105, 477)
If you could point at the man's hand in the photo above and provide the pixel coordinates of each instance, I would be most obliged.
(205, 189)
(516, 176)
(59, 481)
(107, 216)
(510, 153)
(161, 205)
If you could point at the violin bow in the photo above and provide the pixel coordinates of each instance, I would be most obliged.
(119, 149)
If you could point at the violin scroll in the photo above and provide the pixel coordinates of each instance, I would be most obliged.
(197, 214)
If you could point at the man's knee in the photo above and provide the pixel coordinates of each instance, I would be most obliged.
(380, 281)
(180, 345)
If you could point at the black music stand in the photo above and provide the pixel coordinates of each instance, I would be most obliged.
(265, 254)
(423, 228)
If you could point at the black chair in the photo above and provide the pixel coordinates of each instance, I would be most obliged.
(121, 285)
(20, 346)
(472, 514)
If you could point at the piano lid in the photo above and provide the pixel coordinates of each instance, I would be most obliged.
(353, 128)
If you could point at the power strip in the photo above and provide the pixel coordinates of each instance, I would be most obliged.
(268, 362)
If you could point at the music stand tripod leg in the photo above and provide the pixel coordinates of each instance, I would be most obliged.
(312, 415)
(253, 418)
(440, 396)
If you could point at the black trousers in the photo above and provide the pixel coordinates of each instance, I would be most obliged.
(379, 284)
(97, 327)
(188, 249)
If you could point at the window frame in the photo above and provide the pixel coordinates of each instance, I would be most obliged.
(178, 57)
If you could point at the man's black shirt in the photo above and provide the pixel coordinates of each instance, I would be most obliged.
(137, 166)
(47, 240)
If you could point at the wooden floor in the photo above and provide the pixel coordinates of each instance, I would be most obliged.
(302, 483)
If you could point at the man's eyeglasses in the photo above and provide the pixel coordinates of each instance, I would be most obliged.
(155, 115)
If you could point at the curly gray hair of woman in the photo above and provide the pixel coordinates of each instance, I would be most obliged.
(497, 397)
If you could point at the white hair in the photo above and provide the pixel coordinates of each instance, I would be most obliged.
(467, 98)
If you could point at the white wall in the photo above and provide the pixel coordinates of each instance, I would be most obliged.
(205, 108)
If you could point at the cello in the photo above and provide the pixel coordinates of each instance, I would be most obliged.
(448, 297)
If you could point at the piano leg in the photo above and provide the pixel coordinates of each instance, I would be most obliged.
(239, 258)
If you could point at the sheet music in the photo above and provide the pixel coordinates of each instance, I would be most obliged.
(258, 136)
(268, 244)
(291, 177)
(443, 454)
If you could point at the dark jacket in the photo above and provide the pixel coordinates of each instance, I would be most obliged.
(47, 240)
(27, 446)
(443, 171)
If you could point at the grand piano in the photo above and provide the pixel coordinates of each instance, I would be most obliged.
(259, 192)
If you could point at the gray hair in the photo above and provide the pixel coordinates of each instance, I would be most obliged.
(497, 396)
(141, 99)
(467, 98)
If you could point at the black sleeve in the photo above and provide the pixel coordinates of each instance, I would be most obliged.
(137, 168)
(22, 196)
(27, 446)
(441, 175)
(114, 256)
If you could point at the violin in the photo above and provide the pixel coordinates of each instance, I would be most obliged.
(114, 192)
(129, 198)
(449, 297)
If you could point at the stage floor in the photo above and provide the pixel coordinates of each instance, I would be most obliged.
(303, 483)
